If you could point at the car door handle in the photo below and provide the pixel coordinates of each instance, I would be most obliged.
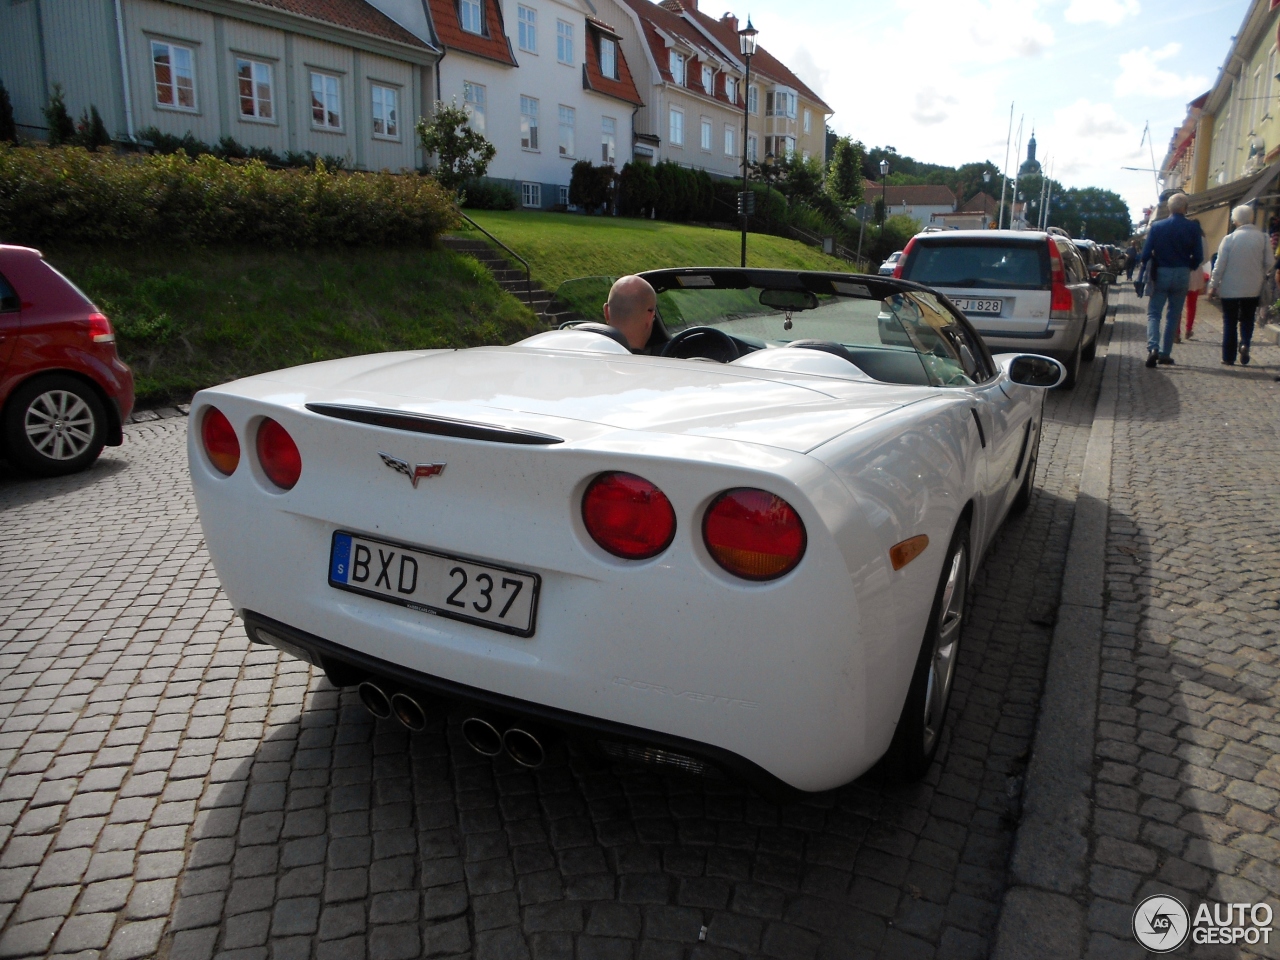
(982, 434)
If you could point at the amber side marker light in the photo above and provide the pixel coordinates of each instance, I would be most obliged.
(900, 554)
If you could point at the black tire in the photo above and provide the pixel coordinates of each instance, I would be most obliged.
(1073, 365)
(1023, 498)
(54, 425)
(1091, 351)
(919, 731)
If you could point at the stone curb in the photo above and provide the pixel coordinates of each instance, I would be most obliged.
(1039, 917)
(159, 413)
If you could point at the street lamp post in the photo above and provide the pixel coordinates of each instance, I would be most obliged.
(747, 47)
(884, 192)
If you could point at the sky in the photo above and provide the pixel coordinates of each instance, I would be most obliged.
(935, 78)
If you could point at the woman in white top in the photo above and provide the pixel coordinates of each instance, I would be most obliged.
(1245, 260)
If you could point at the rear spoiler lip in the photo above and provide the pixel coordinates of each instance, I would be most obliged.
(432, 424)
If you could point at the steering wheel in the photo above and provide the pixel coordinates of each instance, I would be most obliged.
(702, 343)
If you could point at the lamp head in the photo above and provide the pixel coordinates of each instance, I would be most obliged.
(884, 168)
(747, 39)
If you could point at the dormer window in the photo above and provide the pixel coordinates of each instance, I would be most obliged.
(608, 58)
(731, 89)
(709, 81)
(676, 63)
(471, 15)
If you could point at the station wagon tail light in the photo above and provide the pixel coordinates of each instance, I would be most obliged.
(278, 454)
(754, 534)
(902, 260)
(220, 443)
(100, 329)
(1061, 302)
(628, 516)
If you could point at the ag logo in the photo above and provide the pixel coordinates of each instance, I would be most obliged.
(1161, 924)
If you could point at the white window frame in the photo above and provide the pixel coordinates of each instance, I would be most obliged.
(389, 107)
(609, 141)
(337, 95)
(731, 89)
(529, 123)
(564, 42)
(708, 80)
(475, 103)
(255, 89)
(171, 50)
(677, 65)
(464, 6)
(528, 28)
(730, 140)
(609, 64)
(808, 120)
(531, 195)
(753, 148)
(753, 99)
(567, 142)
(675, 127)
(706, 134)
(564, 194)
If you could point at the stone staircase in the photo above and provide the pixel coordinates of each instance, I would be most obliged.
(510, 277)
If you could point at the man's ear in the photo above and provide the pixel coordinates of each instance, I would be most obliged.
(606, 312)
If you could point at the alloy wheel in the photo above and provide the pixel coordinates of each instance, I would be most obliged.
(946, 644)
(59, 425)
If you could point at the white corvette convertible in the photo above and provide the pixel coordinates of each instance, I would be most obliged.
(747, 549)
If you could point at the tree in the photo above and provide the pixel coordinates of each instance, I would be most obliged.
(91, 132)
(461, 153)
(8, 129)
(589, 185)
(844, 176)
(61, 128)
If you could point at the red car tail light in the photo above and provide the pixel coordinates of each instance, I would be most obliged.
(278, 454)
(220, 442)
(100, 329)
(902, 260)
(754, 534)
(628, 516)
(1061, 303)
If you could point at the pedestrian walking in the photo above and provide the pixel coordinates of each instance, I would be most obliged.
(1173, 249)
(1245, 261)
(1199, 280)
(1130, 259)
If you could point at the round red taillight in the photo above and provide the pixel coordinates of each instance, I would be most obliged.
(278, 454)
(220, 443)
(628, 516)
(754, 534)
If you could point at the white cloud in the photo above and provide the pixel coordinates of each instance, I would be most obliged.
(804, 65)
(1141, 74)
(932, 106)
(1110, 12)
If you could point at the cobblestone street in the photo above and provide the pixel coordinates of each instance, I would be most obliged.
(170, 791)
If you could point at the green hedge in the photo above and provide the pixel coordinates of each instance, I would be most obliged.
(69, 195)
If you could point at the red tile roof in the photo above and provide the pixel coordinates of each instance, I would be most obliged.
(624, 87)
(980, 203)
(654, 18)
(352, 14)
(494, 45)
(924, 194)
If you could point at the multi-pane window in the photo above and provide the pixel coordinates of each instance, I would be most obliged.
(808, 120)
(753, 148)
(471, 14)
(676, 62)
(730, 141)
(787, 145)
(564, 42)
(609, 58)
(529, 124)
(753, 99)
(475, 99)
(531, 194)
(568, 119)
(326, 101)
(709, 80)
(175, 75)
(253, 82)
(705, 141)
(731, 89)
(677, 127)
(564, 194)
(608, 140)
(386, 113)
(528, 27)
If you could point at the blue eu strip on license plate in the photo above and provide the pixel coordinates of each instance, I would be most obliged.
(340, 564)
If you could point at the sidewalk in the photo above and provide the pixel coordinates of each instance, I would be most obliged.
(1176, 779)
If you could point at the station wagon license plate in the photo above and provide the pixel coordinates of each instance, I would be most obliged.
(988, 307)
(495, 597)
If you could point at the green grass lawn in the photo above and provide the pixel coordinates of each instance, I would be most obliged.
(561, 246)
(187, 319)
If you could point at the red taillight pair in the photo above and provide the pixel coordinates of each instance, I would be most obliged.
(277, 453)
(752, 534)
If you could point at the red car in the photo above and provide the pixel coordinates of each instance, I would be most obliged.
(64, 391)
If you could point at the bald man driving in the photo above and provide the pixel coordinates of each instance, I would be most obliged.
(630, 310)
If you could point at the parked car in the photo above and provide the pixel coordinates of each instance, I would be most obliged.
(1022, 289)
(750, 553)
(64, 391)
(886, 268)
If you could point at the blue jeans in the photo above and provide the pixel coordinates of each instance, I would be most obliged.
(1170, 288)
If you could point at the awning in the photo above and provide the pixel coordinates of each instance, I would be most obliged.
(1244, 190)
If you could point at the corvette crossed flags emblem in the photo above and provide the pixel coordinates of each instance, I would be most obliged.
(415, 472)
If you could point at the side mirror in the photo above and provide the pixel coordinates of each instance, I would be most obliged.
(1031, 370)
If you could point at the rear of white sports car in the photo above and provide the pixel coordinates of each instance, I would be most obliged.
(633, 550)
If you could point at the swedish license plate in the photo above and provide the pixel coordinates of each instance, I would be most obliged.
(495, 597)
(989, 307)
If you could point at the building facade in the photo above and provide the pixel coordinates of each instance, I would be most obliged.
(926, 204)
(335, 77)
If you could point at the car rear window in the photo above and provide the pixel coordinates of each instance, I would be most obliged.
(979, 263)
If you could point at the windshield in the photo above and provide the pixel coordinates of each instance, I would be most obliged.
(905, 338)
(1019, 266)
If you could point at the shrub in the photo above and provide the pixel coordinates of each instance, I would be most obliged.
(69, 195)
(8, 128)
(487, 195)
(590, 186)
(61, 129)
(91, 132)
(638, 189)
(228, 148)
(461, 153)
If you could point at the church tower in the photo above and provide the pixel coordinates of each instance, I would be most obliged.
(1031, 166)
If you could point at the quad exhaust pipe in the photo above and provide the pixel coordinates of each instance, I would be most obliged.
(400, 705)
(490, 736)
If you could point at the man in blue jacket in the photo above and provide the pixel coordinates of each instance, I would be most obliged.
(1174, 247)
